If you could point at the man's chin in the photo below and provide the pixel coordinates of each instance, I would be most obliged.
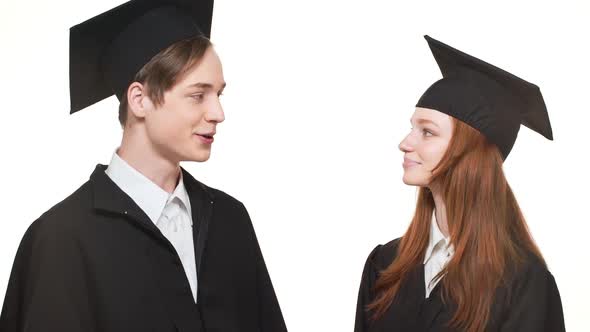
(199, 157)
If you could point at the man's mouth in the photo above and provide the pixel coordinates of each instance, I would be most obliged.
(206, 138)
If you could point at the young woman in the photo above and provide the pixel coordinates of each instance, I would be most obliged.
(467, 261)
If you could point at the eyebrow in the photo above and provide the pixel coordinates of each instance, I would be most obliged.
(425, 121)
(206, 85)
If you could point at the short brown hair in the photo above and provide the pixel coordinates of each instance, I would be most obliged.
(165, 69)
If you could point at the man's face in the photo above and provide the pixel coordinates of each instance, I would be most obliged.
(182, 128)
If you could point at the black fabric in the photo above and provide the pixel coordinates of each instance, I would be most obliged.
(108, 50)
(487, 98)
(529, 303)
(96, 262)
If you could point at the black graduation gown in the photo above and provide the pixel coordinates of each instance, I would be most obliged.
(96, 262)
(534, 304)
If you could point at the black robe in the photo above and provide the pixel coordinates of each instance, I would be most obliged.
(96, 262)
(529, 303)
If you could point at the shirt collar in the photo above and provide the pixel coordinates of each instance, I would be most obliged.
(435, 237)
(182, 194)
(145, 193)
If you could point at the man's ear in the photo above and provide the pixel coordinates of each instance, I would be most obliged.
(137, 99)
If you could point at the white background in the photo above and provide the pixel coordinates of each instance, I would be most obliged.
(319, 95)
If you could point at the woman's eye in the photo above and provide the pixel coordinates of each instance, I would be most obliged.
(427, 132)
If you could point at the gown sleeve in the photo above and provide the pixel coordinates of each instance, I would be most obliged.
(366, 292)
(47, 290)
(271, 318)
(535, 304)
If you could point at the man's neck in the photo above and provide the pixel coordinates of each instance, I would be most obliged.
(162, 172)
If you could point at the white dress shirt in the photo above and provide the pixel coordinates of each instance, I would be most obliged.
(171, 213)
(438, 253)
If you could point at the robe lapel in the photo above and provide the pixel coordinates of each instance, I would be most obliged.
(109, 198)
(405, 309)
(431, 306)
(202, 201)
(175, 296)
(413, 310)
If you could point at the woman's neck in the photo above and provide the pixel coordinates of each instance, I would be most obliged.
(440, 211)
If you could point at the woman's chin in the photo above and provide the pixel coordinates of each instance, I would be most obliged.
(411, 181)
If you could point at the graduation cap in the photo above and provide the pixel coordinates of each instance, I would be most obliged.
(487, 98)
(108, 50)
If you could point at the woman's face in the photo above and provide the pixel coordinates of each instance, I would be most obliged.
(425, 145)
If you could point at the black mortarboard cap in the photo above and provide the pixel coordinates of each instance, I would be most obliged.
(485, 97)
(108, 50)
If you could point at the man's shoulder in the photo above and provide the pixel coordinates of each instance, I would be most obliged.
(64, 212)
(60, 222)
(214, 193)
(228, 202)
(221, 195)
(79, 200)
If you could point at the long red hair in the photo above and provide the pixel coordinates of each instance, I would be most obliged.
(486, 226)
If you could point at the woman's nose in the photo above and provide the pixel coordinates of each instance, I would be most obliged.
(405, 145)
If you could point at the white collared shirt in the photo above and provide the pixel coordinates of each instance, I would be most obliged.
(438, 253)
(171, 213)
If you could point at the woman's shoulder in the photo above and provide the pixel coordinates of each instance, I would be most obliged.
(528, 265)
(530, 293)
(528, 278)
(383, 254)
(531, 270)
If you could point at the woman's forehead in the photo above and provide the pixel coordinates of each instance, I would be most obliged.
(422, 114)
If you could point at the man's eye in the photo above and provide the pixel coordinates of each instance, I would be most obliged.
(198, 97)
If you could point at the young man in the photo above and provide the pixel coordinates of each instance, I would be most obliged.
(143, 246)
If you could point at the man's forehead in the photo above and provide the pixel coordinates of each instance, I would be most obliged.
(206, 85)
